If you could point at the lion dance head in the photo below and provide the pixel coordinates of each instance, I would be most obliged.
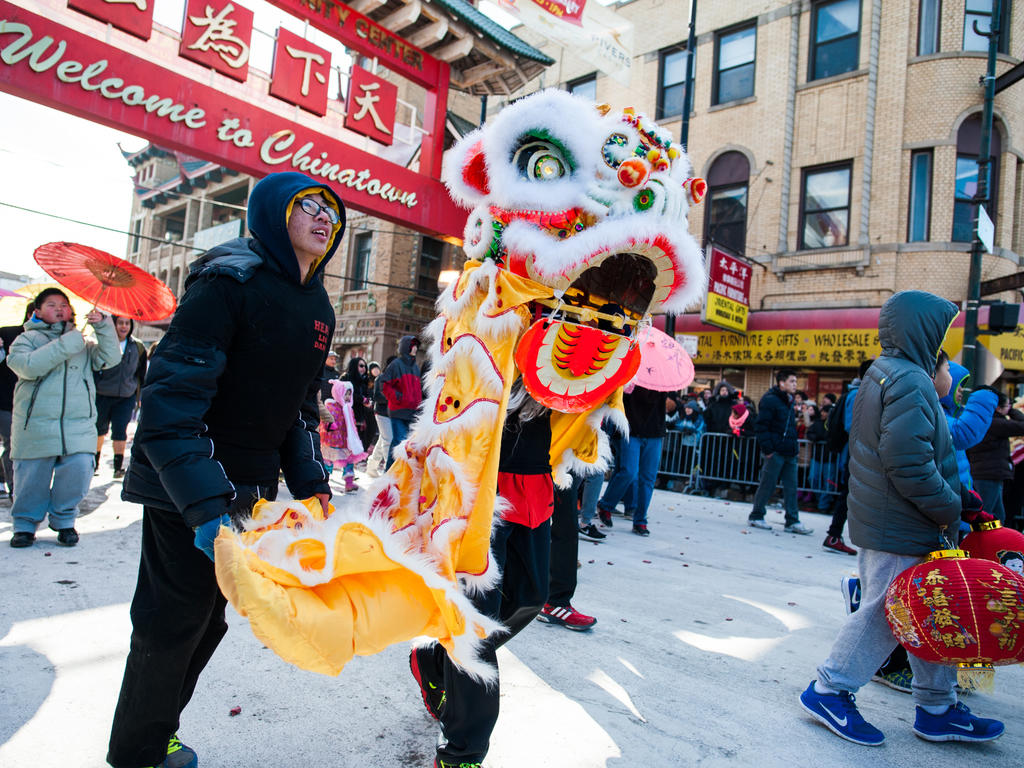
(593, 204)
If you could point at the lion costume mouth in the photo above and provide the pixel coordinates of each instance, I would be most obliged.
(583, 349)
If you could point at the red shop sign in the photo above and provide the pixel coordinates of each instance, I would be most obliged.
(54, 65)
(218, 34)
(371, 104)
(301, 71)
(133, 16)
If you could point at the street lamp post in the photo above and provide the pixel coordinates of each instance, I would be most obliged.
(969, 358)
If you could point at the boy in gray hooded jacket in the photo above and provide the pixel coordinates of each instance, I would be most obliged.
(904, 501)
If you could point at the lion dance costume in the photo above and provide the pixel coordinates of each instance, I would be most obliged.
(577, 235)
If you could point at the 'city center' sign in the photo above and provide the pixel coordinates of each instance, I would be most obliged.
(52, 64)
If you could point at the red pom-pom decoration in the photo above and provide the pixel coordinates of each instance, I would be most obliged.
(952, 609)
(991, 541)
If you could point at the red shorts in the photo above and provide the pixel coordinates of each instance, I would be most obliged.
(531, 497)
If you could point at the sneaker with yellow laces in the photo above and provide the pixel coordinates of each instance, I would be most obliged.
(178, 755)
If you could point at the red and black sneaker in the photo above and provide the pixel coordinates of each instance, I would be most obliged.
(605, 517)
(836, 544)
(420, 661)
(567, 616)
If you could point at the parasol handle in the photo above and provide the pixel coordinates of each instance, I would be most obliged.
(95, 302)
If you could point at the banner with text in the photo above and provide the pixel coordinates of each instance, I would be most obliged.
(46, 62)
(728, 300)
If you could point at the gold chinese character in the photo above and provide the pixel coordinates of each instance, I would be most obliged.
(366, 102)
(310, 57)
(219, 36)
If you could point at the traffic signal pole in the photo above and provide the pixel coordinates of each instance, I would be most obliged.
(969, 358)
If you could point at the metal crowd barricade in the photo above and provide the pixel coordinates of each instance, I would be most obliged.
(721, 459)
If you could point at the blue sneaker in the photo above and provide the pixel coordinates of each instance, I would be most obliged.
(850, 585)
(178, 755)
(956, 724)
(838, 712)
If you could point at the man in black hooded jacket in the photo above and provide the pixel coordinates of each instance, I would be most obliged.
(214, 436)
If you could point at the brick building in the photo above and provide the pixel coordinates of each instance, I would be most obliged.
(839, 141)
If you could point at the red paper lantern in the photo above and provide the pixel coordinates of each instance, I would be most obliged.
(991, 541)
(952, 609)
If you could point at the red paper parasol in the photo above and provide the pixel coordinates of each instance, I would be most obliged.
(664, 365)
(110, 283)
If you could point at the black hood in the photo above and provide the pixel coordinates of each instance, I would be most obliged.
(267, 218)
(405, 345)
(912, 325)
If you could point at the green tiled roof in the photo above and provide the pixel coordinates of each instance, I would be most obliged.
(490, 28)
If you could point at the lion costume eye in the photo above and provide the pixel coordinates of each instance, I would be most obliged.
(540, 160)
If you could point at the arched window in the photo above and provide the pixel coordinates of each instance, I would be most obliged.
(726, 221)
(968, 145)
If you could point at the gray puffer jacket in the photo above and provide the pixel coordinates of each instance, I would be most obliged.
(904, 487)
(55, 397)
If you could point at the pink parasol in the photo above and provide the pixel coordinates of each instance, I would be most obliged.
(664, 365)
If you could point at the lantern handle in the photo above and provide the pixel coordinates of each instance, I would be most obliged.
(944, 536)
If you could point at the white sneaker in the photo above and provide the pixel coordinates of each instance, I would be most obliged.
(762, 524)
(798, 528)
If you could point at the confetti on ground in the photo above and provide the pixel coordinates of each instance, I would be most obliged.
(235, 711)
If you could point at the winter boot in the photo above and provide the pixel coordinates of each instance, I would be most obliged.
(350, 484)
(118, 466)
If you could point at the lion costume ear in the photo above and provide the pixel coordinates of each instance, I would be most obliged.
(464, 171)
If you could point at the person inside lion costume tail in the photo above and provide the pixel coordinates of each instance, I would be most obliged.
(578, 218)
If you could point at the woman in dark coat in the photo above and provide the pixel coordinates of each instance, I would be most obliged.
(990, 459)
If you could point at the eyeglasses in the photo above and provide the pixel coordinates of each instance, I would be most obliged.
(362, 366)
(313, 208)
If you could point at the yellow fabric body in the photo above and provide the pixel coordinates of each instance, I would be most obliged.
(319, 590)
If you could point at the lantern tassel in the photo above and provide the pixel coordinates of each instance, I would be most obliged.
(976, 677)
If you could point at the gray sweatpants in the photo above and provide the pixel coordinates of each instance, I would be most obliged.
(865, 641)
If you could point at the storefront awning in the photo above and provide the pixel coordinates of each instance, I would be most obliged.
(824, 338)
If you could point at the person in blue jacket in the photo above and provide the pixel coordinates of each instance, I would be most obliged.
(214, 435)
(969, 422)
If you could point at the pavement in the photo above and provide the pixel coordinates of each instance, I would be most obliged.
(707, 633)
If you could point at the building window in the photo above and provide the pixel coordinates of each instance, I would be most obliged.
(920, 196)
(825, 207)
(585, 87)
(672, 80)
(431, 251)
(929, 22)
(726, 222)
(979, 12)
(136, 231)
(968, 145)
(734, 64)
(835, 36)
(362, 247)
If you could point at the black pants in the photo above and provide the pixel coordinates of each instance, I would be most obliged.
(565, 544)
(177, 621)
(471, 707)
(839, 509)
